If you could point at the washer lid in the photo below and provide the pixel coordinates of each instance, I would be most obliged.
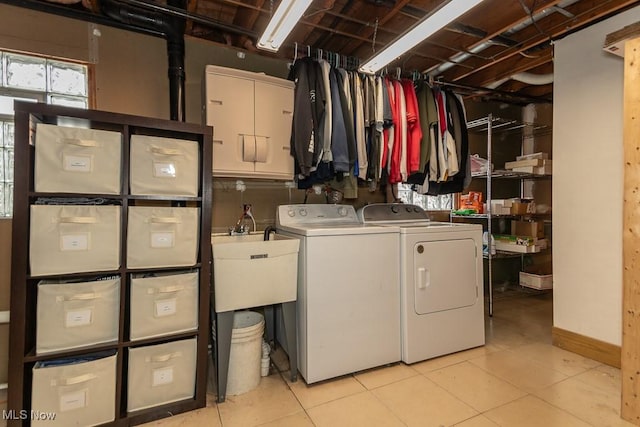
(324, 220)
(324, 229)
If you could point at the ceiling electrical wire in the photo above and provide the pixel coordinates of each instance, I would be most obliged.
(375, 34)
(529, 12)
(526, 55)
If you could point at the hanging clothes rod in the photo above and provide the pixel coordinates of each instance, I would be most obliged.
(478, 91)
(334, 58)
(352, 63)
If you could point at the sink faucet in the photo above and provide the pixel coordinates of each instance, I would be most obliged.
(241, 226)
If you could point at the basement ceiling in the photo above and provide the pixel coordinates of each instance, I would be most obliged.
(503, 45)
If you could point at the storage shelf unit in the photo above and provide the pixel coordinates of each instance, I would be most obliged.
(490, 126)
(511, 174)
(24, 292)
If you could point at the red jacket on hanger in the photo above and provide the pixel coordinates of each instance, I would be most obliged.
(395, 174)
(414, 131)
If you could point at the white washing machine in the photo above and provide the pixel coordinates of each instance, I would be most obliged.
(442, 304)
(348, 303)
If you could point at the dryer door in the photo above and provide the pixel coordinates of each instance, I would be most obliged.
(444, 275)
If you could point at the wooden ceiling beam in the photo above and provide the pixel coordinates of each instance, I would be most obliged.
(312, 19)
(353, 46)
(246, 18)
(582, 18)
(192, 7)
(501, 30)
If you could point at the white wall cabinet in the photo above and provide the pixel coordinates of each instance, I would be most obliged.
(251, 114)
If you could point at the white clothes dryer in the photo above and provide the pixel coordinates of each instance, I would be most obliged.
(348, 304)
(442, 294)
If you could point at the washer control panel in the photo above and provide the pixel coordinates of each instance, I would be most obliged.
(306, 214)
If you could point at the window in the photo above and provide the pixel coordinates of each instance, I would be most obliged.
(32, 78)
(430, 203)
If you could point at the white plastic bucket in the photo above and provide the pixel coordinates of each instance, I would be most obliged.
(246, 352)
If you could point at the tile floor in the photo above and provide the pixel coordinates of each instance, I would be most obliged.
(517, 379)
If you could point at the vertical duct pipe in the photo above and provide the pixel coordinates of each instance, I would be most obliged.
(173, 29)
(175, 53)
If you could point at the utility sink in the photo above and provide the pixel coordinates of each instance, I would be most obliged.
(251, 272)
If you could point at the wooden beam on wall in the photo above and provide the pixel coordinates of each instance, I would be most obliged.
(630, 410)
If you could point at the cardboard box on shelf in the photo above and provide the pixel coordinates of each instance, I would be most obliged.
(522, 208)
(527, 228)
(519, 244)
(510, 247)
(501, 206)
(536, 281)
(524, 163)
(545, 169)
(538, 155)
(535, 170)
(500, 210)
(543, 244)
(515, 240)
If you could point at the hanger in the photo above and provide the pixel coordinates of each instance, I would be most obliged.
(295, 53)
(308, 51)
(398, 73)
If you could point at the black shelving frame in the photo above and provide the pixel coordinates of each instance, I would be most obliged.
(22, 355)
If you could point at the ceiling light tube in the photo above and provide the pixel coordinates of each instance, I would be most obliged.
(426, 27)
(282, 22)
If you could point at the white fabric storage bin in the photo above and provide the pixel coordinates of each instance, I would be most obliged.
(164, 304)
(74, 239)
(162, 237)
(160, 374)
(78, 314)
(80, 394)
(164, 166)
(77, 160)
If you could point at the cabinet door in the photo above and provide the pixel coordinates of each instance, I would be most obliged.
(230, 110)
(274, 113)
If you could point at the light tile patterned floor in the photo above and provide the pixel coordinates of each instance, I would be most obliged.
(517, 379)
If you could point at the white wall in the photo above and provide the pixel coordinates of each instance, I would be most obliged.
(588, 182)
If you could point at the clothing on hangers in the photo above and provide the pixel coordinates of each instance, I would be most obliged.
(309, 107)
(349, 127)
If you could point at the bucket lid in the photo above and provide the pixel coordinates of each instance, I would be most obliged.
(246, 319)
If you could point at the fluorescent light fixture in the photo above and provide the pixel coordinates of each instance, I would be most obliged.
(282, 22)
(419, 32)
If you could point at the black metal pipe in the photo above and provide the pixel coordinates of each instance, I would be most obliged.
(200, 19)
(173, 30)
(175, 53)
(79, 13)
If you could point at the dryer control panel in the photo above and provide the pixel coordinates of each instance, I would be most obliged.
(392, 212)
